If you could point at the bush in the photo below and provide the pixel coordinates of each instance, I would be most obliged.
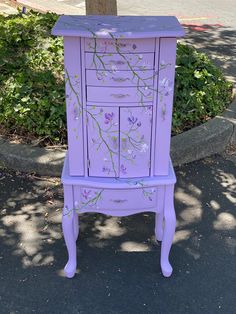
(31, 75)
(32, 87)
(201, 91)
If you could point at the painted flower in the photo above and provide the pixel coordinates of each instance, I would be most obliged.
(86, 194)
(114, 68)
(108, 117)
(144, 147)
(166, 86)
(131, 153)
(145, 65)
(134, 46)
(132, 120)
(106, 170)
(123, 169)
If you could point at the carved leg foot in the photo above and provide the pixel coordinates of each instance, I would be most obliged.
(159, 214)
(169, 230)
(68, 219)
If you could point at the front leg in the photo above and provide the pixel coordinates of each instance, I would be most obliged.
(76, 225)
(160, 213)
(68, 218)
(169, 230)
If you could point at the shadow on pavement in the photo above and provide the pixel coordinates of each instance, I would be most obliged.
(218, 42)
(118, 258)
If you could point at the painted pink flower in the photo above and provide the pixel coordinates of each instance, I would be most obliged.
(86, 194)
(108, 117)
(106, 169)
(132, 120)
(123, 169)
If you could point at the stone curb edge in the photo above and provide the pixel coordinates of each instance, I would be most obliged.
(209, 138)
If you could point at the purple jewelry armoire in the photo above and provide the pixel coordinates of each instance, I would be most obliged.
(119, 73)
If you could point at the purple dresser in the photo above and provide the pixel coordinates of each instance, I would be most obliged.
(119, 73)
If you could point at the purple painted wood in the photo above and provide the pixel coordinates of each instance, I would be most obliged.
(119, 111)
(115, 62)
(68, 230)
(135, 141)
(121, 183)
(154, 125)
(119, 94)
(103, 141)
(72, 63)
(164, 104)
(112, 199)
(119, 78)
(84, 102)
(118, 26)
(123, 45)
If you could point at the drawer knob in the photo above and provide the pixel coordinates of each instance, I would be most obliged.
(117, 62)
(118, 201)
(120, 79)
(119, 96)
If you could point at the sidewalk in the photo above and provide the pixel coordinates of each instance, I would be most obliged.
(118, 258)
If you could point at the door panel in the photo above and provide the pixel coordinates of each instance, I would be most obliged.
(135, 141)
(103, 141)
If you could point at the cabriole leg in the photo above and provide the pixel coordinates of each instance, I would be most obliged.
(76, 225)
(159, 215)
(68, 219)
(169, 230)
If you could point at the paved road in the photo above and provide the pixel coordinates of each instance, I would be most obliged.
(118, 259)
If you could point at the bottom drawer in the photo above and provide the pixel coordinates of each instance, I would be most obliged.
(93, 199)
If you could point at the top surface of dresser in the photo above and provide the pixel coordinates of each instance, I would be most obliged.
(118, 26)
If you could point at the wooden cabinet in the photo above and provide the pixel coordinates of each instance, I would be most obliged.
(119, 74)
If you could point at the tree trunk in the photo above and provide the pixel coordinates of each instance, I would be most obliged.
(101, 7)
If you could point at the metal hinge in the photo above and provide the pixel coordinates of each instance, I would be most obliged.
(88, 162)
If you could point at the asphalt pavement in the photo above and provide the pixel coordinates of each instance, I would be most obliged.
(118, 258)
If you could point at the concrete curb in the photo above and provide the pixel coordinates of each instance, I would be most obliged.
(202, 141)
(207, 139)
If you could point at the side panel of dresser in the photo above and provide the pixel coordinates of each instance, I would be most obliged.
(72, 62)
(166, 78)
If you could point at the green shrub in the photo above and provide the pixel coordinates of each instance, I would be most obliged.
(32, 87)
(31, 75)
(201, 91)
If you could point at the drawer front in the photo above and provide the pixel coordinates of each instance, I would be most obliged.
(119, 78)
(120, 45)
(115, 62)
(110, 199)
(122, 94)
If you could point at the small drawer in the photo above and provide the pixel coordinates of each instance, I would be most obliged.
(110, 199)
(119, 45)
(119, 78)
(115, 62)
(119, 94)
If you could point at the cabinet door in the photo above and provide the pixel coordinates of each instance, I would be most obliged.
(103, 141)
(135, 141)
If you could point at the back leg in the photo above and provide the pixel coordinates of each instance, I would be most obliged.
(169, 230)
